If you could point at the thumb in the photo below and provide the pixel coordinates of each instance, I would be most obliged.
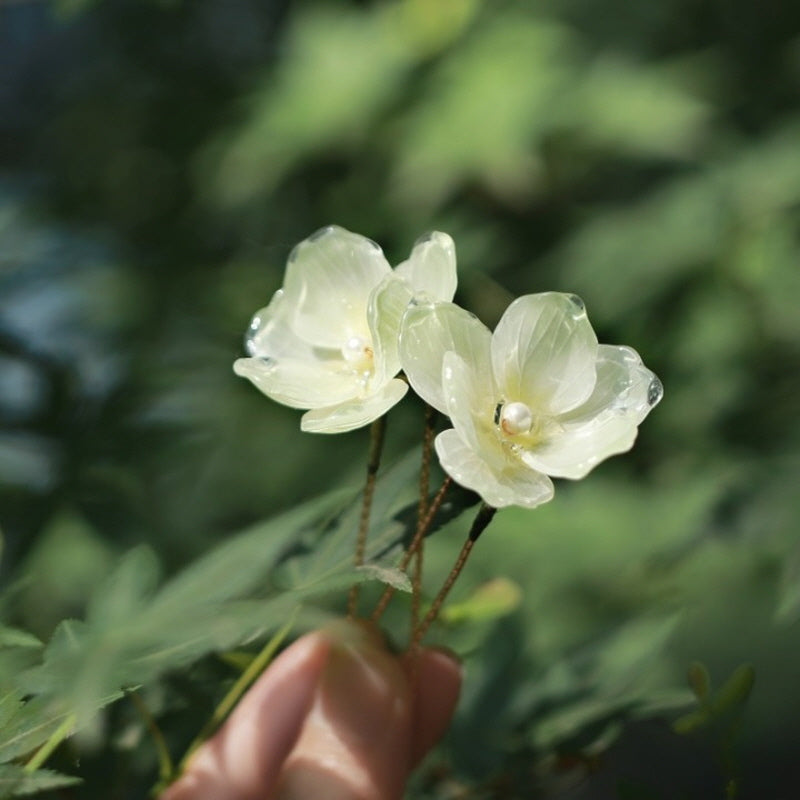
(356, 741)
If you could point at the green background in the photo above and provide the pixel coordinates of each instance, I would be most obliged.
(160, 159)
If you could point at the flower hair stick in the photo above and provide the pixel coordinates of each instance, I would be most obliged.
(419, 536)
(377, 435)
(424, 484)
(480, 523)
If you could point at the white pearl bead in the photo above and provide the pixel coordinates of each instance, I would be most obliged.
(516, 418)
(355, 349)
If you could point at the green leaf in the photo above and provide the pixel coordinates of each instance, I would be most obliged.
(242, 564)
(730, 698)
(13, 637)
(70, 558)
(391, 576)
(316, 97)
(736, 690)
(333, 552)
(126, 592)
(662, 701)
(788, 609)
(133, 634)
(635, 107)
(495, 148)
(24, 726)
(491, 600)
(16, 782)
(699, 680)
(688, 723)
(600, 683)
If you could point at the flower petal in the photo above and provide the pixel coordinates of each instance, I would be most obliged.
(297, 383)
(606, 423)
(430, 330)
(387, 304)
(544, 352)
(470, 399)
(270, 335)
(516, 485)
(431, 267)
(355, 413)
(328, 282)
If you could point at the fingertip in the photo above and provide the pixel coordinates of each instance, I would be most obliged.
(243, 759)
(357, 737)
(437, 678)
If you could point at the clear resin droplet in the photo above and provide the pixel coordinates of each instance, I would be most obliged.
(515, 418)
(321, 232)
(251, 336)
(655, 391)
(578, 306)
(629, 354)
(259, 325)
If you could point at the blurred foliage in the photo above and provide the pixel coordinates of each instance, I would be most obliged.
(160, 159)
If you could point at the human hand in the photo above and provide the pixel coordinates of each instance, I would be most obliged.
(335, 717)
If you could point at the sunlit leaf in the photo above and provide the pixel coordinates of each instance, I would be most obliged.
(637, 108)
(16, 782)
(13, 637)
(489, 601)
(391, 576)
(477, 120)
(27, 724)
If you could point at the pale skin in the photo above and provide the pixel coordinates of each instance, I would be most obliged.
(336, 716)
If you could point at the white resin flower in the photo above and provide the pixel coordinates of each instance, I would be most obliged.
(539, 397)
(328, 340)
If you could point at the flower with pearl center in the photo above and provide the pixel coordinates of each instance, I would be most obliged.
(328, 340)
(539, 398)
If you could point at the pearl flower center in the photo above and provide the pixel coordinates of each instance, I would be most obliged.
(515, 418)
(357, 352)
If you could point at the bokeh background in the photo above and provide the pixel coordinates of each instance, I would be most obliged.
(159, 159)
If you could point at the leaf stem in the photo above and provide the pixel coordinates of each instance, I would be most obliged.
(377, 434)
(479, 525)
(46, 750)
(419, 536)
(165, 766)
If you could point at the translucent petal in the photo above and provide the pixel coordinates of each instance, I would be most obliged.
(606, 423)
(270, 335)
(429, 331)
(387, 305)
(544, 352)
(328, 282)
(515, 485)
(470, 400)
(431, 267)
(355, 413)
(297, 383)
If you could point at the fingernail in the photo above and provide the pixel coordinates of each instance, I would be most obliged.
(355, 632)
(449, 655)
